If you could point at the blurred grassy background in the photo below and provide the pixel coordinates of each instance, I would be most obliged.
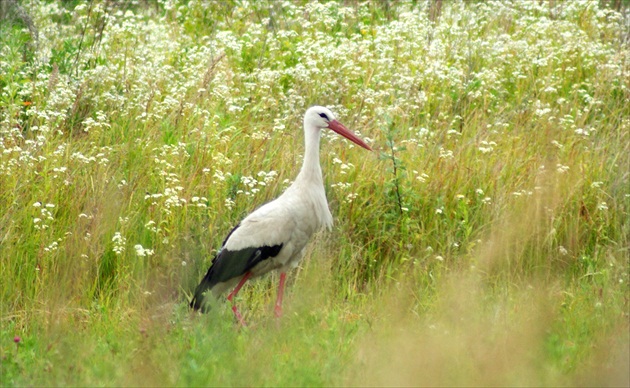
(485, 242)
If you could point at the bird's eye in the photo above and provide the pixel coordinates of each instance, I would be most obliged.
(323, 116)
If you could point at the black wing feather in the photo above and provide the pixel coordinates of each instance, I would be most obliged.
(231, 264)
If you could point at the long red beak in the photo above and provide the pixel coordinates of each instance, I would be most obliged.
(345, 132)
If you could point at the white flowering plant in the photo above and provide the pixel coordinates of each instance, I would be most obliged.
(134, 135)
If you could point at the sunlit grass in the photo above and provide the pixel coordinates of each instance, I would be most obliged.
(485, 242)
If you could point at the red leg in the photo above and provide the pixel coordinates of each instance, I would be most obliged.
(278, 309)
(233, 294)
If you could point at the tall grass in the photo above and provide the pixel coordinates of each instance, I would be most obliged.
(485, 242)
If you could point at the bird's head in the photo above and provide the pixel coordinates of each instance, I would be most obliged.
(321, 117)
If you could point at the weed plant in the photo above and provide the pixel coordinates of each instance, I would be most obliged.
(485, 242)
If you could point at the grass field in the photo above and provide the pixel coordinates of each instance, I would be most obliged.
(484, 242)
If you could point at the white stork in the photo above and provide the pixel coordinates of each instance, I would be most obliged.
(275, 235)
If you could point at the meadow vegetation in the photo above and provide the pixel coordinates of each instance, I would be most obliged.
(484, 242)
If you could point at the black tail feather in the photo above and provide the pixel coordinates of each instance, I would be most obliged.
(198, 300)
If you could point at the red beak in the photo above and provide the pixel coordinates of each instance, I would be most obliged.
(345, 132)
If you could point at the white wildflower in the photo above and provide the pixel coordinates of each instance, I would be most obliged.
(561, 168)
(596, 185)
(119, 243)
(143, 252)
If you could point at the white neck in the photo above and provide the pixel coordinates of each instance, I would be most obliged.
(311, 170)
(309, 183)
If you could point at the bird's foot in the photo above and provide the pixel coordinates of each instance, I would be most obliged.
(238, 316)
(230, 298)
(278, 309)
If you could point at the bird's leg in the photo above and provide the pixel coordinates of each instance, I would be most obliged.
(233, 294)
(278, 308)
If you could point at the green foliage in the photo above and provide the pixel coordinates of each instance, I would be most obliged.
(485, 242)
